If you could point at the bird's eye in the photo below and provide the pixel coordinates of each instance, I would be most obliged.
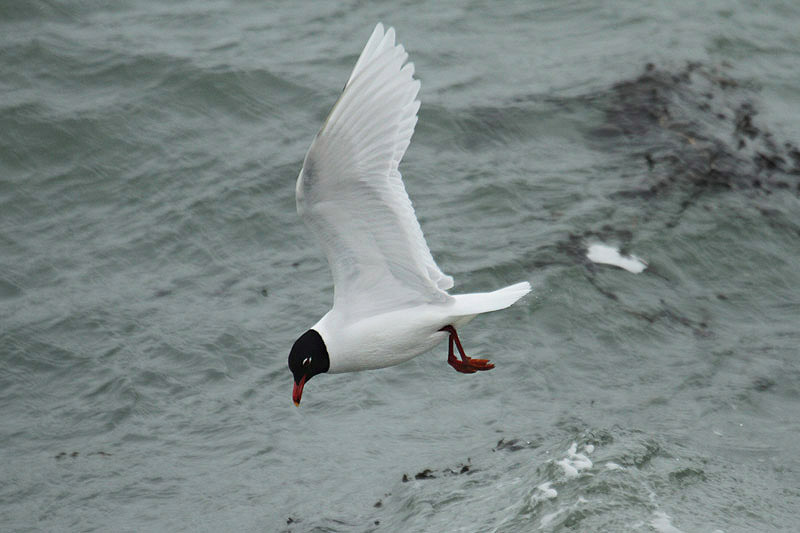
(306, 361)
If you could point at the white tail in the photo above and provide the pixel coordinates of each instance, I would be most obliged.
(483, 302)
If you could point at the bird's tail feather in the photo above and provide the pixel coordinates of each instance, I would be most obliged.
(483, 302)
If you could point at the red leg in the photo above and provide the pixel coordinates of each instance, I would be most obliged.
(466, 365)
(451, 357)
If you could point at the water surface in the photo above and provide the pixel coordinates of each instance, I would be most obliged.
(154, 273)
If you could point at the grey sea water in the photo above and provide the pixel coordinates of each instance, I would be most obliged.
(154, 273)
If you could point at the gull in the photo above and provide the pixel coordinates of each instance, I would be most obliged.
(390, 299)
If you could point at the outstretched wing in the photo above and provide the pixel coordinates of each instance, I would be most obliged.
(351, 194)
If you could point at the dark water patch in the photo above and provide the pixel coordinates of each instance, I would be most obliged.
(153, 384)
(34, 10)
(38, 357)
(491, 128)
(9, 289)
(229, 92)
(38, 11)
(779, 220)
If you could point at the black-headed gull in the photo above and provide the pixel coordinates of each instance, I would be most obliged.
(390, 300)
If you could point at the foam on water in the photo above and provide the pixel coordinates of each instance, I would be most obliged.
(661, 522)
(545, 491)
(609, 255)
(575, 462)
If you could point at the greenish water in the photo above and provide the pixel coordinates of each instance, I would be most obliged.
(154, 272)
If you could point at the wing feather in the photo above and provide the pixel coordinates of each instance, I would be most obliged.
(351, 194)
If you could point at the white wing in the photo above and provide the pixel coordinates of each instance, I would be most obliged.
(351, 195)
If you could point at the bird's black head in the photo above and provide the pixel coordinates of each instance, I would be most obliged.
(308, 357)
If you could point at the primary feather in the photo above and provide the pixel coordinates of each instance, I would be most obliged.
(351, 195)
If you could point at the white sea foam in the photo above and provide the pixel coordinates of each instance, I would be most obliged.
(575, 462)
(614, 466)
(609, 255)
(569, 470)
(662, 523)
(544, 492)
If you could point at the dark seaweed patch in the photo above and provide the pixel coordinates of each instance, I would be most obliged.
(762, 384)
(699, 328)
(425, 474)
(63, 455)
(687, 476)
(512, 445)
(463, 468)
(698, 128)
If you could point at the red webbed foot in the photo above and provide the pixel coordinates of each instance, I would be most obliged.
(470, 365)
(465, 365)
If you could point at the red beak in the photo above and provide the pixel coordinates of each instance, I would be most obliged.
(297, 391)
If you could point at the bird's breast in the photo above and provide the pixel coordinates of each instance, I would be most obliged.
(383, 340)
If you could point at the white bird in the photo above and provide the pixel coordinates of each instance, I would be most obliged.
(390, 300)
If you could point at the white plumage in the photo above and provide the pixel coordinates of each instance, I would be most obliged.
(390, 297)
